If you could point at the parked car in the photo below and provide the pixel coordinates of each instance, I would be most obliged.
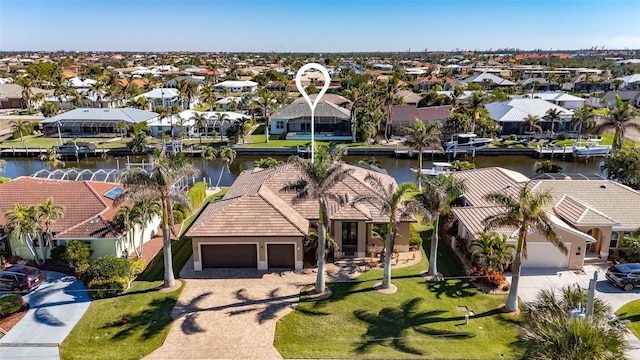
(21, 278)
(625, 276)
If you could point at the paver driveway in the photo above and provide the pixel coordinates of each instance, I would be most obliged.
(230, 313)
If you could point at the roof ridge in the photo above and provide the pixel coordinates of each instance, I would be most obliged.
(589, 207)
(202, 219)
(265, 191)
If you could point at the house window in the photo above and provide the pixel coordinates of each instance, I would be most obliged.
(280, 124)
(613, 243)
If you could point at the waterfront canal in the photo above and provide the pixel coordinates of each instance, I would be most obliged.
(399, 168)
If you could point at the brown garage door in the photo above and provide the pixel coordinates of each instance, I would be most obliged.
(229, 256)
(281, 255)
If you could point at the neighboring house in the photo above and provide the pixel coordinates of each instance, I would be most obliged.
(88, 215)
(590, 216)
(407, 115)
(229, 103)
(488, 80)
(588, 82)
(235, 86)
(510, 115)
(408, 97)
(630, 82)
(165, 97)
(331, 122)
(257, 225)
(174, 124)
(80, 83)
(609, 98)
(11, 96)
(427, 83)
(559, 98)
(94, 121)
(539, 84)
(173, 82)
(332, 98)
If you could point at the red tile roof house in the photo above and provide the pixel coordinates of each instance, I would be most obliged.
(407, 115)
(256, 225)
(88, 214)
(592, 217)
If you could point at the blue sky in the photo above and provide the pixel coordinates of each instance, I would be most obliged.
(316, 26)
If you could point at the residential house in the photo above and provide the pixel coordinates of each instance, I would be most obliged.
(235, 86)
(11, 96)
(94, 121)
(427, 83)
(173, 82)
(257, 225)
(488, 80)
(510, 115)
(165, 97)
(332, 98)
(539, 84)
(331, 122)
(406, 116)
(89, 212)
(588, 82)
(559, 98)
(408, 97)
(609, 98)
(592, 217)
(630, 82)
(80, 83)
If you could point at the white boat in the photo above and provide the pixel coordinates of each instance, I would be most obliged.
(439, 168)
(590, 147)
(467, 141)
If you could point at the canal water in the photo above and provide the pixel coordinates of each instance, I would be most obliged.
(399, 168)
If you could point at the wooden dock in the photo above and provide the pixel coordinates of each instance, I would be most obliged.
(35, 152)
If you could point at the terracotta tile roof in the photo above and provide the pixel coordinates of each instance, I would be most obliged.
(480, 182)
(407, 115)
(88, 214)
(575, 212)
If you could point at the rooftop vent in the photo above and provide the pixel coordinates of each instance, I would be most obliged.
(603, 185)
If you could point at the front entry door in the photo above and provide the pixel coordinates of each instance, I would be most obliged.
(349, 238)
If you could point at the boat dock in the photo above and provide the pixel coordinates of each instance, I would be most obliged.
(564, 151)
(27, 152)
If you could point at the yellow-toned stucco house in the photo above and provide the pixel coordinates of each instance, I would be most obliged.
(257, 225)
(591, 215)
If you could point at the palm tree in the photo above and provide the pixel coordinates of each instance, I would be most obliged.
(49, 109)
(265, 99)
(22, 224)
(436, 197)
(209, 96)
(526, 213)
(98, 89)
(421, 137)
(26, 83)
(316, 181)
(172, 112)
(209, 153)
(46, 213)
(222, 118)
(159, 184)
(201, 122)
(125, 220)
(138, 143)
(21, 126)
(121, 127)
(493, 249)
(553, 115)
(147, 209)
(356, 96)
(475, 103)
(265, 163)
(394, 203)
(52, 158)
(227, 155)
(37, 99)
(583, 119)
(619, 118)
(532, 122)
(547, 167)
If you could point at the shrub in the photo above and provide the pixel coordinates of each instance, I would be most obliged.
(81, 270)
(415, 239)
(197, 194)
(178, 216)
(4, 179)
(78, 252)
(561, 136)
(103, 288)
(10, 304)
(59, 255)
(496, 280)
(185, 212)
(137, 266)
(28, 131)
(107, 267)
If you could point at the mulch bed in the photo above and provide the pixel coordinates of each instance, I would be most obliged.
(10, 321)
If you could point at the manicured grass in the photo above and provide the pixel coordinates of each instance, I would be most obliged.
(421, 320)
(631, 312)
(47, 142)
(100, 333)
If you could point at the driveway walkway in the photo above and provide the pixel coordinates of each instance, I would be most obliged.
(54, 309)
(230, 313)
(533, 280)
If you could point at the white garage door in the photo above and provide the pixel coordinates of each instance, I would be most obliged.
(545, 255)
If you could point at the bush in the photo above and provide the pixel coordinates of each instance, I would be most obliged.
(182, 209)
(415, 239)
(78, 252)
(103, 288)
(197, 194)
(59, 255)
(4, 179)
(137, 266)
(81, 270)
(496, 280)
(10, 304)
(178, 216)
(108, 267)
(561, 136)
(31, 126)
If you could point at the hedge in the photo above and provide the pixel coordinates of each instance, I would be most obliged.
(102, 288)
(108, 267)
(10, 304)
(137, 266)
(197, 194)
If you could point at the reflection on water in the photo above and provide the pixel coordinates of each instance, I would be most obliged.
(399, 168)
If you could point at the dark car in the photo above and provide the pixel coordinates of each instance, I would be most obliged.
(20, 278)
(625, 276)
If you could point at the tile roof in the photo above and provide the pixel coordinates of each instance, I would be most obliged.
(518, 109)
(480, 182)
(473, 219)
(88, 213)
(575, 212)
(130, 115)
(406, 115)
(301, 109)
(332, 98)
(482, 77)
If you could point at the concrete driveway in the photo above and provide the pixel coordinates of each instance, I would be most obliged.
(55, 308)
(230, 313)
(534, 280)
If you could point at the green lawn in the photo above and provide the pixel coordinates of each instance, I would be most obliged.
(422, 320)
(100, 333)
(631, 312)
(47, 142)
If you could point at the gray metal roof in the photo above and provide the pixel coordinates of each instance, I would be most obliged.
(129, 115)
(301, 109)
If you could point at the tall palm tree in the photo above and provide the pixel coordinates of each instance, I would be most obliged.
(201, 122)
(125, 220)
(532, 122)
(209, 96)
(222, 118)
(583, 119)
(265, 99)
(148, 209)
(436, 197)
(393, 85)
(393, 202)
(48, 213)
(22, 224)
(316, 181)
(26, 83)
(526, 213)
(21, 126)
(475, 103)
(121, 127)
(172, 112)
(421, 137)
(38, 99)
(52, 158)
(553, 115)
(159, 185)
(620, 118)
(98, 89)
(227, 155)
(357, 96)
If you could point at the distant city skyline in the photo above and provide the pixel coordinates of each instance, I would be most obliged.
(317, 26)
